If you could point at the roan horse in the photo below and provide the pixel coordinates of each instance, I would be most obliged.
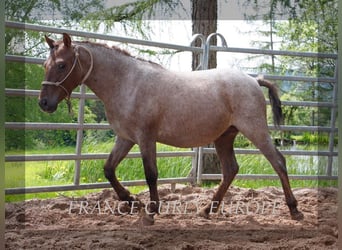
(146, 103)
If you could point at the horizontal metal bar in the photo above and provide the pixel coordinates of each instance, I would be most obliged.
(33, 60)
(100, 156)
(27, 190)
(71, 126)
(297, 78)
(308, 104)
(24, 59)
(273, 52)
(93, 156)
(303, 128)
(60, 188)
(21, 92)
(43, 28)
(269, 177)
(301, 78)
(55, 126)
(285, 152)
(30, 92)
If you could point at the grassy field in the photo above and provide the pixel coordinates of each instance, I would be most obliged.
(49, 173)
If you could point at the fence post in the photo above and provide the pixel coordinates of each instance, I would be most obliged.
(202, 58)
(195, 172)
(79, 139)
(333, 121)
(205, 62)
(207, 48)
(200, 165)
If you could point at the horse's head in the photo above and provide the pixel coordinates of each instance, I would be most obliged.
(63, 73)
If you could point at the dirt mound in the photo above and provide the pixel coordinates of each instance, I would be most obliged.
(247, 219)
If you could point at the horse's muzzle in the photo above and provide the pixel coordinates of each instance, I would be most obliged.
(46, 106)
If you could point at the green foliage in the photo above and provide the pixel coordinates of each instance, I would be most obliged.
(48, 12)
(130, 15)
(309, 28)
(27, 76)
(26, 109)
(62, 172)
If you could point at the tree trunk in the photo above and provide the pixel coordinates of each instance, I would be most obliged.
(204, 21)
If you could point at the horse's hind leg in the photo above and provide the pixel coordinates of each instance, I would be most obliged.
(225, 152)
(120, 150)
(262, 140)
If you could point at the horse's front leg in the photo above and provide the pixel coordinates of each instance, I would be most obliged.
(119, 152)
(148, 154)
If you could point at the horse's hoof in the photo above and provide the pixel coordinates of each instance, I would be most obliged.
(203, 213)
(145, 219)
(297, 216)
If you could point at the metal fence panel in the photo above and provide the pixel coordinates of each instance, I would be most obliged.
(197, 153)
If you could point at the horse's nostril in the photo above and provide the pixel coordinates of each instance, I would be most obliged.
(43, 102)
(47, 106)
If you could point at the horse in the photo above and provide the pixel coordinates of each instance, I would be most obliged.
(146, 103)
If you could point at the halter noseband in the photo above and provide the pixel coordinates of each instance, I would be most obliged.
(59, 83)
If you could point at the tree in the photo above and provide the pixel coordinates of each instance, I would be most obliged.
(204, 21)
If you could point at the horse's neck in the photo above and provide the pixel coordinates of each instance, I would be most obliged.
(110, 68)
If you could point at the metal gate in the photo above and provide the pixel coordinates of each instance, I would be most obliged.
(196, 154)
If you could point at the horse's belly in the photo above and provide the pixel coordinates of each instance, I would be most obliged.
(187, 135)
(184, 142)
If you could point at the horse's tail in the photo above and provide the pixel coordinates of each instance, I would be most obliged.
(278, 118)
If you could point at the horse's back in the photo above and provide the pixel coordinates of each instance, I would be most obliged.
(199, 106)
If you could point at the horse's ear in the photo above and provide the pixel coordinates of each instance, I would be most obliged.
(66, 40)
(50, 42)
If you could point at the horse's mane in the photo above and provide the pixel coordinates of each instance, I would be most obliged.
(120, 50)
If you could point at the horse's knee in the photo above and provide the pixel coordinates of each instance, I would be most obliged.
(108, 172)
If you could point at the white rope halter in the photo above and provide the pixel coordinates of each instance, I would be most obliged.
(59, 83)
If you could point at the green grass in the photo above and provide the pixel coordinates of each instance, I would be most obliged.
(50, 173)
(20, 174)
(296, 165)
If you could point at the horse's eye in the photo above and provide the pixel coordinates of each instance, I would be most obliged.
(61, 66)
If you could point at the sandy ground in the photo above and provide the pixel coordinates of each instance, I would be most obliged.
(248, 219)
